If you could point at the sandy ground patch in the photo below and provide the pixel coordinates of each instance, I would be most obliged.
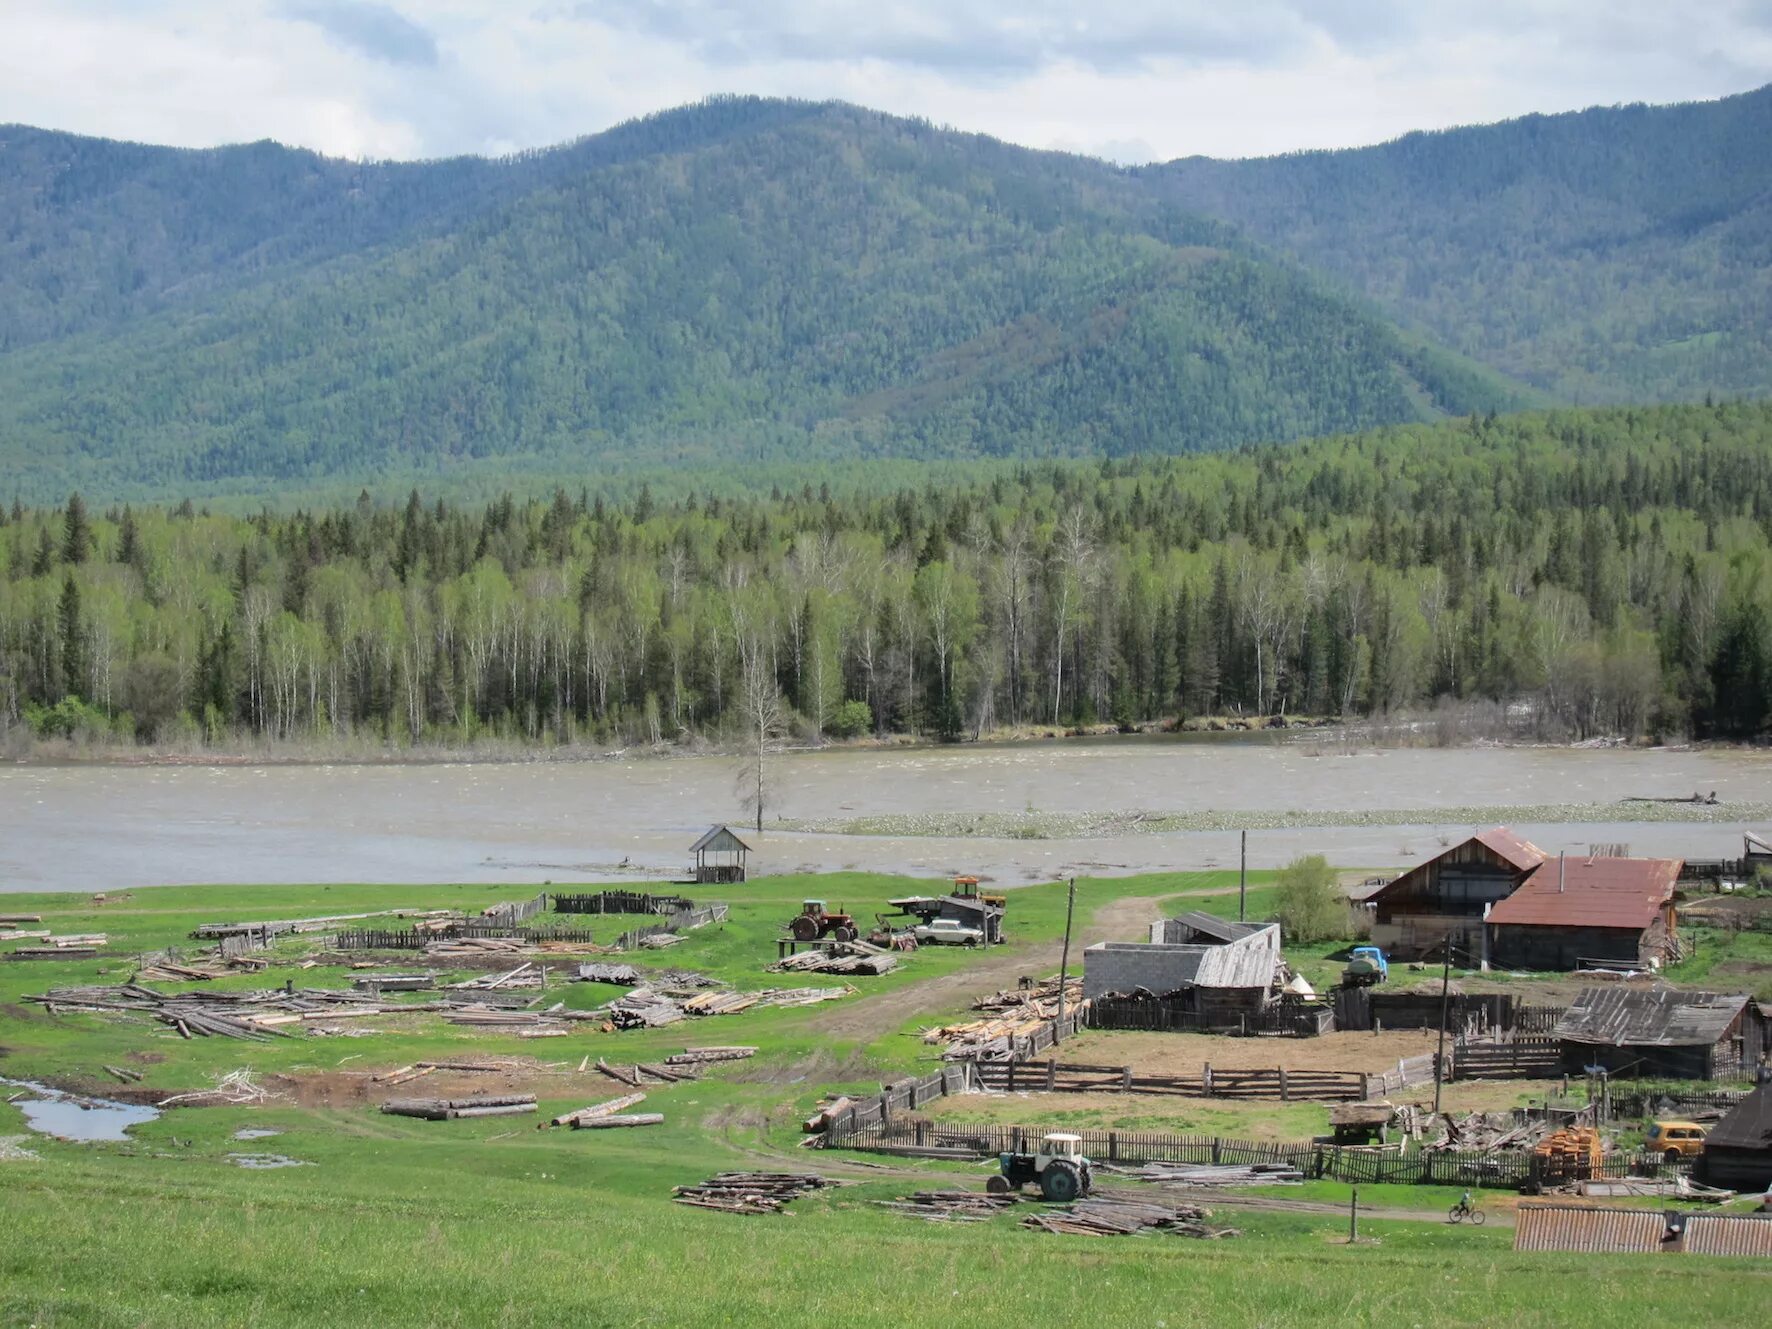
(1185, 1054)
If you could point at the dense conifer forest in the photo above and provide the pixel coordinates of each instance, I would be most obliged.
(1611, 569)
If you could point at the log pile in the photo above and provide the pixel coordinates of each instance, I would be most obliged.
(623, 974)
(951, 1206)
(701, 1056)
(750, 1192)
(475, 1105)
(394, 982)
(526, 975)
(642, 1073)
(834, 962)
(1012, 1013)
(648, 1007)
(1121, 1214)
(604, 1109)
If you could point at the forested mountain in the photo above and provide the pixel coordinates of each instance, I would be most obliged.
(1612, 566)
(740, 280)
(1618, 254)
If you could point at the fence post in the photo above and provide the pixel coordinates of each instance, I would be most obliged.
(1215, 1150)
(1206, 1079)
(1125, 1078)
(1283, 1096)
(1011, 1087)
(1051, 1073)
(1113, 1146)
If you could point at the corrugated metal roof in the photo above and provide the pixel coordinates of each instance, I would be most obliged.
(1511, 848)
(1658, 1017)
(1591, 893)
(1749, 1123)
(1247, 962)
(1756, 844)
(1218, 929)
(1728, 1234)
(1572, 1227)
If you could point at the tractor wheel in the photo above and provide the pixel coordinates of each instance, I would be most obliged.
(804, 928)
(997, 1185)
(845, 933)
(1061, 1182)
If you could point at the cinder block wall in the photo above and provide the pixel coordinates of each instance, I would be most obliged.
(1121, 966)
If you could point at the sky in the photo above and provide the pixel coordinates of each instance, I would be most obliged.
(1131, 80)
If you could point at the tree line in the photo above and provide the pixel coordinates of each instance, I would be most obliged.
(1606, 571)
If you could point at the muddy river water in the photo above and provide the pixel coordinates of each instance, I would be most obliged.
(98, 827)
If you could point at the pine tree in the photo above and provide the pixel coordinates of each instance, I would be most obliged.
(73, 639)
(76, 532)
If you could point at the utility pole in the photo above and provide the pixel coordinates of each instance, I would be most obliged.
(1445, 1001)
(1064, 960)
(1243, 879)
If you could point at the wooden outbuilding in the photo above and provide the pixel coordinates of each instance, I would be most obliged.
(1446, 896)
(719, 856)
(1660, 1033)
(1738, 1151)
(1587, 913)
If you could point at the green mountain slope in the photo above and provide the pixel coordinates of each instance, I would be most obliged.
(1612, 255)
(739, 280)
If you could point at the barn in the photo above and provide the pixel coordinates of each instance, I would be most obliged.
(1445, 897)
(1576, 913)
(1660, 1033)
(1215, 973)
(1738, 1151)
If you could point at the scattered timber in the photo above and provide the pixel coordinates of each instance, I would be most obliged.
(249, 1015)
(696, 1056)
(750, 1192)
(951, 1206)
(1121, 1214)
(611, 1122)
(603, 1109)
(1221, 1174)
(835, 961)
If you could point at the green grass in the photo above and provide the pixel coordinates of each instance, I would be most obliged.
(466, 1223)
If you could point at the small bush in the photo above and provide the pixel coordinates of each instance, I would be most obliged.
(1310, 906)
(851, 720)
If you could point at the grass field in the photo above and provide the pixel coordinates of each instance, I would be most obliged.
(394, 1221)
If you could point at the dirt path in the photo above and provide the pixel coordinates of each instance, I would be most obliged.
(875, 1017)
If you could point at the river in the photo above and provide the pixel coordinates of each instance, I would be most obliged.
(105, 827)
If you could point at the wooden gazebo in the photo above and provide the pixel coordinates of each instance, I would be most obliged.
(719, 856)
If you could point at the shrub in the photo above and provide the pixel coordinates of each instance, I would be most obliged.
(851, 719)
(1310, 906)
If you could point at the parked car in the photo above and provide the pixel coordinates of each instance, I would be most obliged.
(1674, 1140)
(948, 931)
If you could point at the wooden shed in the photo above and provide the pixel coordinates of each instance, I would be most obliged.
(1660, 1033)
(1738, 1152)
(1445, 897)
(1580, 913)
(719, 856)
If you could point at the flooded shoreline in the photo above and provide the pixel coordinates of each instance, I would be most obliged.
(104, 827)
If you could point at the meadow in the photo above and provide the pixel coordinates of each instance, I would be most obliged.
(393, 1221)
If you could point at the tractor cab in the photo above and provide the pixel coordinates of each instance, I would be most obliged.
(1059, 1144)
(812, 908)
(1058, 1169)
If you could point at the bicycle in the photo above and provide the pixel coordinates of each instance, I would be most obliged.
(1461, 1211)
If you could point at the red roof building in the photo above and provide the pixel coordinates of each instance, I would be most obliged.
(1573, 913)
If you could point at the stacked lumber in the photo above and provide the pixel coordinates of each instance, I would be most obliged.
(834, 962)
(622, 975)
(1013, 1013)
(1123, 1213)
(749, 1192)
(644, 1009)
(475, 1105)
(394, 982)
(951, 1206)
(657, 941)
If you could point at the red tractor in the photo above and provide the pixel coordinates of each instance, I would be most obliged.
(814, 923)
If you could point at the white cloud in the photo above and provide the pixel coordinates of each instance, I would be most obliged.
(1140, 78)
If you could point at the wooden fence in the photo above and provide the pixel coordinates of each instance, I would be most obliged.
(1161, 1013)
(1212, 1082)
(1528, 1057)
(681, 921)
(409, 939)
(620, 902)
(1495, 1169)
(877, 1113)
(514, 912)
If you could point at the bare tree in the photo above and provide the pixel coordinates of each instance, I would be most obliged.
(760, 702)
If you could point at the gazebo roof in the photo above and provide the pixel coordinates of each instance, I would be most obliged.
(721, 838)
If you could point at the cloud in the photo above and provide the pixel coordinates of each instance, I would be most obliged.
(375, 30)
(1130, 79)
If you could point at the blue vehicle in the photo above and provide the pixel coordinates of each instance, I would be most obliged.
(1366, 967)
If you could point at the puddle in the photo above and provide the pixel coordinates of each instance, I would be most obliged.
(260, 1161)
(71, 1117)
(254, 1133)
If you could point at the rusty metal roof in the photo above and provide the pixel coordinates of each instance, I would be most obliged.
(1591, 893)
(1728, 1234)
(1656, 1017)
(1589, 1228)
(1510, 848)
(1748, 1125)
